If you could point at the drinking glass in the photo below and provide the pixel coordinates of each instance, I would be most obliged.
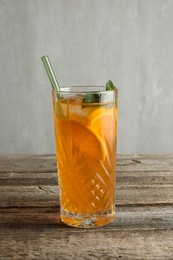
(85, 123)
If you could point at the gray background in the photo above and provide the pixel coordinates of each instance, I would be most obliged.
(88, 42)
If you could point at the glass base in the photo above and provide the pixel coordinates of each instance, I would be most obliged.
(87, 220)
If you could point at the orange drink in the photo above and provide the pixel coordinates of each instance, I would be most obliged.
(85, 134)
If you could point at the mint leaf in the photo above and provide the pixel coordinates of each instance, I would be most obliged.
(95, 97)
(110, 85)
(91, 98)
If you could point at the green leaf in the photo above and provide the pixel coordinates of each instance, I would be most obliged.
(96, 98)
(91, 98)
(110, 85)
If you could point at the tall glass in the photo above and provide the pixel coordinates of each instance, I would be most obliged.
(85, 121)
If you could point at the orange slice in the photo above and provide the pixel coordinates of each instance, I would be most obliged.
(82, 137)
(103, 120)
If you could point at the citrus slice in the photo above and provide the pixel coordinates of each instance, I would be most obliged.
(83, 138)
(103, 121)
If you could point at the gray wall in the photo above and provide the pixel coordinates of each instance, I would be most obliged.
(88, 42)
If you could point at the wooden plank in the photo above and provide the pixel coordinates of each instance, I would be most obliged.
(18, 179)
(127, 217)
(145, 163)
(40, 195)
(62, 243)
(21, 196)
(123, 178)
(139, 167)
(48, 163)
(28, 164)
(145, 232)
(119, 156)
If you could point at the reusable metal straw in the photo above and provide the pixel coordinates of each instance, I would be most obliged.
(51, 75)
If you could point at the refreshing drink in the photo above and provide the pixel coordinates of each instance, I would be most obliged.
(85, 134)
(85, 121)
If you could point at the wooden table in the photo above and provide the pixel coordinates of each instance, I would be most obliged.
(30, 226)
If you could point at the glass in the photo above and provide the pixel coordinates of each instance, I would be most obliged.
(86, 134)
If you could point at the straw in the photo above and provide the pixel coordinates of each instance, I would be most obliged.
(51, 75)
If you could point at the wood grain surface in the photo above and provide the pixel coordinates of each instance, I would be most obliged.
(30, 226)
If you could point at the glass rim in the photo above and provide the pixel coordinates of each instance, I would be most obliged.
(69, 89)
